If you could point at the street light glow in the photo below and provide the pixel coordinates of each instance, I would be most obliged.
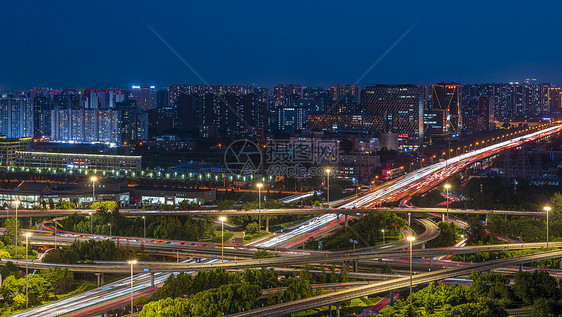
(411, 238)
(547, 208)
(93, 178)
(260, 185)
(222, 218)
(447, 186)
(28, 234)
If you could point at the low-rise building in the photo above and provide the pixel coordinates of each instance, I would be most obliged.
(76, 161)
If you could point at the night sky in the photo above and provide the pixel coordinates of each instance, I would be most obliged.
(71, 44)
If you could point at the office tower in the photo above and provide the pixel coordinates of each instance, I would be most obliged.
(145, 96)
(401, 110)
(162, 97)
(447, 97)
(16, 116)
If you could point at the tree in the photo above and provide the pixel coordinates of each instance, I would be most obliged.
(226, 205)
(10, 287)
(38, 288)
(66, 205)
(168, 307)
(62, 285)
(298, 288)
(546, 307)
(484, 308)
(105, 206)
(447, 237)
(10, 233)
(252, 228)
(530, 286)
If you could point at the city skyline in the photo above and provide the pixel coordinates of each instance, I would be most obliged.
(306, 43)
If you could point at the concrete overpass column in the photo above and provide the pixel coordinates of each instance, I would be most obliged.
(442, 217)
(330, 310)
(560, 264)
(520, 267)
(355, 266)
(267, 223)
(346, 220)
(151, 279)
(338, 309)
(99, 279)
(102, 279)
(391, 298)
(486, 220)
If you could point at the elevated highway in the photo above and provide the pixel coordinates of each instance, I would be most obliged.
(336, 297)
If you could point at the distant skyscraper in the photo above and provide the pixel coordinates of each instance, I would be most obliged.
(351, 93)
(486, 113)
(447, 96)
(145, 96)
(16, 116)
(555, 101)
(401, 110)
(162, 98)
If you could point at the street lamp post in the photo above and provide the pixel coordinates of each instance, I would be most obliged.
(144, 222)
(447, 186)
(259, 185)
(93, 179)
(328, 184)
(27, 235)
(110, 229)
(17, 203)
(411, 240)
(383, 237)
(547, 209)
(133, 262)
(222, 220)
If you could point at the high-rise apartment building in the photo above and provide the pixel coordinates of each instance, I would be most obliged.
(16, 116)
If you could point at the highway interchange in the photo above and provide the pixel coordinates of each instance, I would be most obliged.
(415, 182)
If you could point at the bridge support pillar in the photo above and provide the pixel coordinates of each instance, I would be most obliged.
(330, 310)
(267, 223)
(391, 298)
(346, 220)
(560, 264)
(100, 279)
(338, 309)
(151, 279)
(431, 261)
(520, 267)
(355, 266)
(486, 220)
(442, 217)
